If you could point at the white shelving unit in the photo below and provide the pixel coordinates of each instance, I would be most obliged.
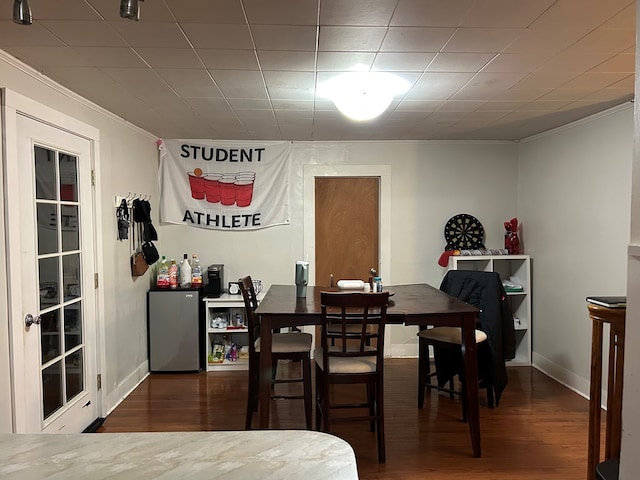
(226, 307)
(508, 266)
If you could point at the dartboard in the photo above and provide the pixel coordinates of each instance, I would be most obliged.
(464, 232)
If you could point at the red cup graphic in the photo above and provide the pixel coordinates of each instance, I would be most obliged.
(196, 182)
(244, 192)
(212, 187)
(227, 189)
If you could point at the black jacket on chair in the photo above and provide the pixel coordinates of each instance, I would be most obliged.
(484, 291)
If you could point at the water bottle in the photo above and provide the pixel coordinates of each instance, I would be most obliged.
(196, 272)
(185, 272)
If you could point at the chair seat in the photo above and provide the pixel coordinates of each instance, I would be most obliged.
(449, 335)
(347, 364)
(288, 343)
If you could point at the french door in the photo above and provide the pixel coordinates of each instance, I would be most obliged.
(51, 266)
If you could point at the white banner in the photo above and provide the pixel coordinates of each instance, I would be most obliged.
(225, 185)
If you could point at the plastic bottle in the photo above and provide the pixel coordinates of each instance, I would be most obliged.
(162, 280)
(173, 274)
(196, 272)
(185, 272)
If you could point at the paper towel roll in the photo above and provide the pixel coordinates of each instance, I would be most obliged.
(350, 284)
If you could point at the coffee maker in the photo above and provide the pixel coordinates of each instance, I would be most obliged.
(214, 281)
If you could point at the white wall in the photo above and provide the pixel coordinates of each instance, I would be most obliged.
(574, 202)
(430, 182)
(128, 163)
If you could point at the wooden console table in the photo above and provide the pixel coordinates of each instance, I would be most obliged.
(615, 317)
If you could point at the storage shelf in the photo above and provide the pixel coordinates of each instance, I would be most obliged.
(225, 305)
(507, 266)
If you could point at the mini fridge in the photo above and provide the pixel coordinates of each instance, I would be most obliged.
(175, 331)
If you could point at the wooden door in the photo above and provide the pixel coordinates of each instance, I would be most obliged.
(346, 228)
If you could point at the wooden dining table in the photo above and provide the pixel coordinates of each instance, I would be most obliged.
(415, 304)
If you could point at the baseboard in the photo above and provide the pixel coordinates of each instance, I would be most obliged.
(95, 425)
(562, 375)
(127, 386)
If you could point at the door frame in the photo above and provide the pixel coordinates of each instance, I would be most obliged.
(384, 172)
(14, 104)
(310, 172)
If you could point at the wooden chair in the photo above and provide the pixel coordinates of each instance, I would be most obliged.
(356, 357)
(495, 339)
(295, 346)
(447, 345)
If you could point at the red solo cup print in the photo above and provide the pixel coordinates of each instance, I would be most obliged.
(196, 182)
(244, 192)
(212, 187)
(227, 189)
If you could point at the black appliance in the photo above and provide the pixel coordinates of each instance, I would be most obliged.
(214, 281)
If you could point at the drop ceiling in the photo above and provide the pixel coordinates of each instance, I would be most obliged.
(247, 69)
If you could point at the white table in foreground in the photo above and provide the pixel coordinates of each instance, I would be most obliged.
(231, 455)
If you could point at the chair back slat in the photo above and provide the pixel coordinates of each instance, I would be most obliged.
(353, 324)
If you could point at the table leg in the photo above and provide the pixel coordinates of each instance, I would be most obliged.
(470, 359)
(265, 372)
(595, 400)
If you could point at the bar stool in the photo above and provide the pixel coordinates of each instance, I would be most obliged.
(615, 317)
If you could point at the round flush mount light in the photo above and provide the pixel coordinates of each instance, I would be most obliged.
(362, 95)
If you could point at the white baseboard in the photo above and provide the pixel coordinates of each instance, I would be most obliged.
(562, 375)
(127, 386)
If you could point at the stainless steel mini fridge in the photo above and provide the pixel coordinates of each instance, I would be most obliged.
(175, 330)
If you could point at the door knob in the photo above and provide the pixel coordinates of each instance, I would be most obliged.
(30, 320)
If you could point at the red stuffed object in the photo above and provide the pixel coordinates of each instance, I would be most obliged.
(511, 241)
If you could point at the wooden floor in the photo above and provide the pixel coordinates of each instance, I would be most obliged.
(539, 431)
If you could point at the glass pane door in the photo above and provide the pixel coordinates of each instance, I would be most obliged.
(59, 278)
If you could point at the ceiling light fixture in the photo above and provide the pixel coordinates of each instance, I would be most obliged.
(130, 9)
(22, 12)
(362, 95)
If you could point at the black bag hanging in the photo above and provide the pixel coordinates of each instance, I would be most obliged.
(150, 252)
(122, 213)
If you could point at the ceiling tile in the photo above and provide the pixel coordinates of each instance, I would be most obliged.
(564, 13)
(624, 62)
(284, 37)
(73, 10)
(489, 40)
(205, 11)
(240, 83)
(109, 10)
(221, 59)
(249, 104)
(343, 61)
(281, 12)
(430, 13)
(50, 56)
(515, 62)
(287, 60)
(170, 57)
(604, 41)
(437, 86)
(88, 34)
(230, 37)
(594, 80)
(189, 82)
(111, 57)
(357, 39)
(505, 13)
(356, 12)
(149, 34)
(414, 39)
(396, 61)
(459, 62)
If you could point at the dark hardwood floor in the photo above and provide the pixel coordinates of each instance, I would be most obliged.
(539, 431)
